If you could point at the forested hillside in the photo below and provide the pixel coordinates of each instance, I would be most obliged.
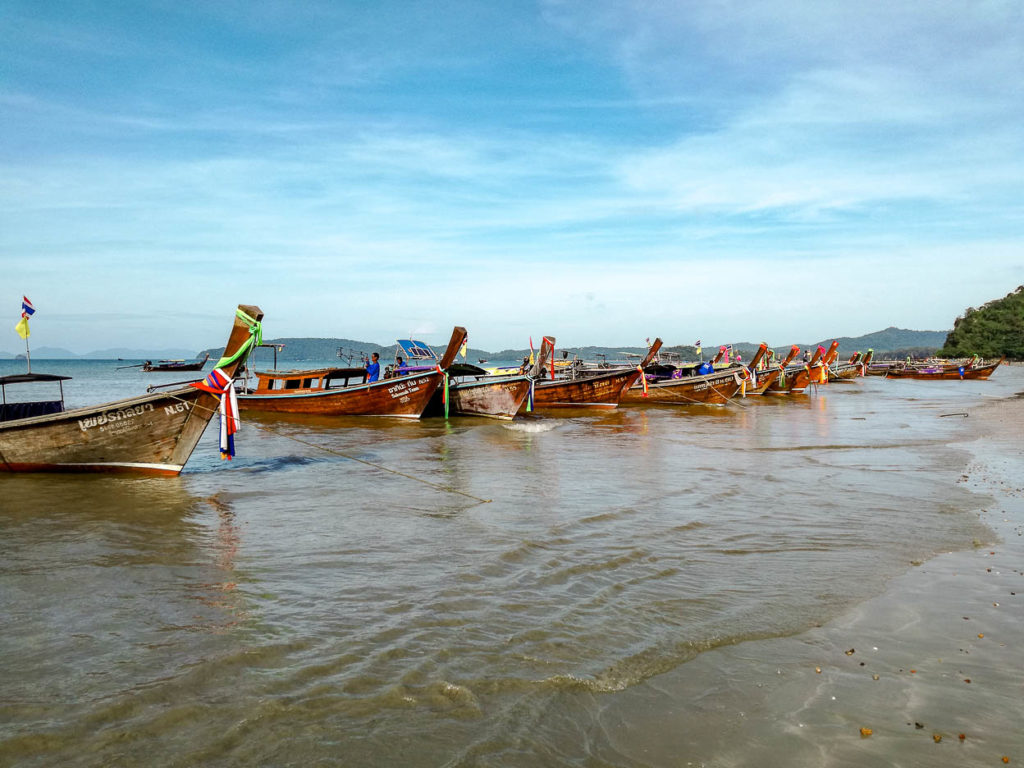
(993, 330)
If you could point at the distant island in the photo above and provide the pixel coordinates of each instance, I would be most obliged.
(117, 353)
(896, 342)
(892, 342)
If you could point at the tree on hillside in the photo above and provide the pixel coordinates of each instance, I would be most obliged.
(992, 330)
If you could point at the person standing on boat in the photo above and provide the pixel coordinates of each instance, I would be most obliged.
(373, 368)
(398, 369)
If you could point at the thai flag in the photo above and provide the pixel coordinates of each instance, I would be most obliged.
(27, 310)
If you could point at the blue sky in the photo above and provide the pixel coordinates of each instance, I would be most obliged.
(600, 171)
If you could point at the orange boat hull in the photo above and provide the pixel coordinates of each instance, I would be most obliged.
(602, 391)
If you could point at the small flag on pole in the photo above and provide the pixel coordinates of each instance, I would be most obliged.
(464, 348)
(27, 310)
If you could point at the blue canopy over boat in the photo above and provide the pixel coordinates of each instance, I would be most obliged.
(416, 350)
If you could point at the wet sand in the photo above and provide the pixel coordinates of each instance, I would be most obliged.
(929, 673)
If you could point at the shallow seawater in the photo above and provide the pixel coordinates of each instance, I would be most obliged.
(380, 592)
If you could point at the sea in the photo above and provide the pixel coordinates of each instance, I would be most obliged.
(586, 589)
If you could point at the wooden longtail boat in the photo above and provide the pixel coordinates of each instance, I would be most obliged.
(795, 379)
(753, 384)
(715, 388)
(175, 365)
(945, 372)
(762, 380)
(473, 391)
(591, 389)
(344, 391)
(149, 434)
(852, 368)
(496, 397)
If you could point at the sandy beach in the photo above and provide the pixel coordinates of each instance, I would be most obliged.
(929, 673)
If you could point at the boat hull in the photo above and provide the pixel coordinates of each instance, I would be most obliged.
(495, 399)
(845, 371)
(716, 388)
(764, 380)
(405, 397)
(796, 380)
(604, 390)
(945, 374)
(152, 434)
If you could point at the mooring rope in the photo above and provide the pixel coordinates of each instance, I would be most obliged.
(344, 455)
(436, 486)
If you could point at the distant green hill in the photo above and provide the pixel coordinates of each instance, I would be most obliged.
(993, 330)
(898, 342)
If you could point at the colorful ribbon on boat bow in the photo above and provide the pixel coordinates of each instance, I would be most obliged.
(444, 392)
(220, 384)
(751, 376)
(643, 378)
(254, 340)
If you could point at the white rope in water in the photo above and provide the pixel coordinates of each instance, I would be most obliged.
(335, 452)
(381, 467)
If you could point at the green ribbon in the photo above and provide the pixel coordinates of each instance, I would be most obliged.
(255, 339)
(446, 394)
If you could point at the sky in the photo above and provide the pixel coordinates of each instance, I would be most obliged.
(603, 171)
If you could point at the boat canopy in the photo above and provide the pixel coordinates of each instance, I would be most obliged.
(26, 410)
(24, 378)
(467, 369)
(416, 350)
(318, 378)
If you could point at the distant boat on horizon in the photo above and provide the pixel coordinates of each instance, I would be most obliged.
(175, 365)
